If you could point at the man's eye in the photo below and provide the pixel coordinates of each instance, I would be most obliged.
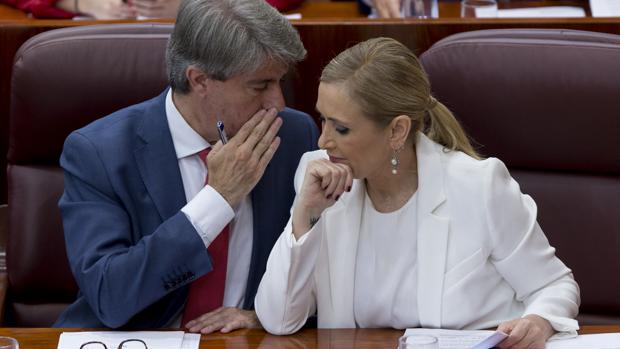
(261, 87)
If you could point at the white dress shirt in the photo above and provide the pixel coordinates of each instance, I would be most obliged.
(386, 270)
(207, 210)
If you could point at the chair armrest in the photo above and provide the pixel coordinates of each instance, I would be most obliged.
(4, 280)
(4, 283)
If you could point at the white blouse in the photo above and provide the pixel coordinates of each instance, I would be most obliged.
(386, 270)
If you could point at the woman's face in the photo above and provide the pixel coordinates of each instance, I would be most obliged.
(349, 137)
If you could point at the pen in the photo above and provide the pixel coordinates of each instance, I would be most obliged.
(220, 130)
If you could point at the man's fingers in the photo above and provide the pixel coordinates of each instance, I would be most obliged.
(223, 319)
(208, 324)
(206, 318)
(267, 139)
(215, 149)
(260, 131)
(247, 128)
(232, 325)
(268, 155)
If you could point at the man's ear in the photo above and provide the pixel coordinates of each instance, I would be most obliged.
(198, 80)
(399, 128)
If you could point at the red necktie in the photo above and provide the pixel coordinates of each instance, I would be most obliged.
(207, 292)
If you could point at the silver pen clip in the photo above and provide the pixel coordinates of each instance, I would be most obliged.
(222, 133)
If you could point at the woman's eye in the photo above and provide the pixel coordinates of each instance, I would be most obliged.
(342, 130)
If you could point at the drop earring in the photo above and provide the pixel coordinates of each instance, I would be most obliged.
(395, 162)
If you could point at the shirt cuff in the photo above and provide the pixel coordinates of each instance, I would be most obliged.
(565, 327)
(209, 213)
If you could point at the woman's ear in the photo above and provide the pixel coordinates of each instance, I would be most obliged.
(400, 127)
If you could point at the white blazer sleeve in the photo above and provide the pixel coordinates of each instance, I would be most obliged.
(285, 297)
(523, 256)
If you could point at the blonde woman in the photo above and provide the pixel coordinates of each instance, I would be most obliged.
(398, 223)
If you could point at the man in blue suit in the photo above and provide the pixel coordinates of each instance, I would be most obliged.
(142, 229)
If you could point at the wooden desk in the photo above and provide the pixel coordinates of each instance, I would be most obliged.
(47, 338)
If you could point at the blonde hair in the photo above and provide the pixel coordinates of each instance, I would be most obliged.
(386, 80)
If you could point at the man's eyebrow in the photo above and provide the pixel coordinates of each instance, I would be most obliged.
(261, 81)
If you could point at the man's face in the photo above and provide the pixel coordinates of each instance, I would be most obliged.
(237, 99)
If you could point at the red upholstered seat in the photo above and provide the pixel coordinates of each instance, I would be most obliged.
(62, 80)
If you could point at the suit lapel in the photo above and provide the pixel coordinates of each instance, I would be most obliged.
(265, 207)
(432, 232)
(344, 224)
(157, 160)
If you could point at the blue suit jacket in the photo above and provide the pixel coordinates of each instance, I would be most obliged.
(132, 251)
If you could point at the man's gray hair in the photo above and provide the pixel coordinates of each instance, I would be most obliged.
(225, 38)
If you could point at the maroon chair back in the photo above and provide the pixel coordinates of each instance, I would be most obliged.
(62, 80)
(546, 103)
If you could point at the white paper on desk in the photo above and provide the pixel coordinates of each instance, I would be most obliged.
(589, 341)
(191, 341)
(292, 16)
(543, 12)
(605, 8)
(455, 339)
(153, 339)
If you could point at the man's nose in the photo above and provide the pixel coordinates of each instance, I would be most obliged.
(274, 98)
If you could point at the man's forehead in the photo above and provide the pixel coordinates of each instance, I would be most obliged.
(269, 71)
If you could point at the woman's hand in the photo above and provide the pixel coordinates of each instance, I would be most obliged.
(528, 332)
(323, 185)
(156, 8)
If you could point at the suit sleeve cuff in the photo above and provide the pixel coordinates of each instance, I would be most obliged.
(209, 213)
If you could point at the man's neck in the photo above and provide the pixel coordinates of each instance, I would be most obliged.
(188, 106)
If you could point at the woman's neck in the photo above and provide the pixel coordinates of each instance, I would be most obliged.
(389, 192)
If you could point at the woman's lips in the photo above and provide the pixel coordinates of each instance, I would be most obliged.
(336, 159)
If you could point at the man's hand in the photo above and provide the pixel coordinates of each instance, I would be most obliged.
(528, 332)
(235, 168)
(156, 8)
(224, 320)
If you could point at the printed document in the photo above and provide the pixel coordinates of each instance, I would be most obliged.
(605, 8)
(153, 339)
(455, 339)
(589, 341)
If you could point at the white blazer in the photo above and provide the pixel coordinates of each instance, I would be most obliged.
(482, 257)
